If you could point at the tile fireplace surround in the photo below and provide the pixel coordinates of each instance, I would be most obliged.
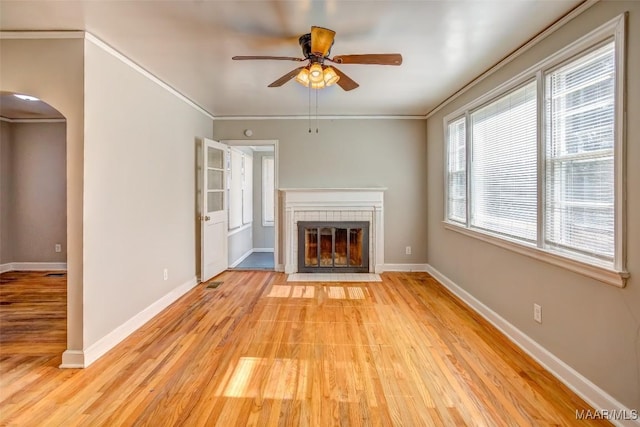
(333, 204)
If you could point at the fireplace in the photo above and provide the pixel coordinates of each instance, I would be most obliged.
(341, 205)
(333, 246)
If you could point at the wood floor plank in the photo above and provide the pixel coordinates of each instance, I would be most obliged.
(261, 351)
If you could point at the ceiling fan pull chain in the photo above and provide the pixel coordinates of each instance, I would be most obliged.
(317, 110)
(309, 86)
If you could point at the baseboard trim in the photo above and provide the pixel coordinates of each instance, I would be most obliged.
(280, 268)
(404, 267)
(33, 266)
(72, 359)
(242, 258)
(106, 343)
(262, 249)
(579, 384)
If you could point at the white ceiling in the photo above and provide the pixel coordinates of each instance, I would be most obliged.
(189, 45)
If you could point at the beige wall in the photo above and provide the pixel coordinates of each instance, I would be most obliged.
(36, 215)
(6, 135)
(53, 70)
(356, 153)
(591, 326)
(140, 187)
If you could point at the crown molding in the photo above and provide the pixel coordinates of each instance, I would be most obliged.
(16, 35)
(32, 35)
(332, 117)
(126, 60)
(109, 49)
(515, 54)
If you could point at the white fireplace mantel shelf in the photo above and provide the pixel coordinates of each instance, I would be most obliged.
(333, 204)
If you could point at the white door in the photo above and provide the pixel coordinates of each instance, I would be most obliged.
(213, 214)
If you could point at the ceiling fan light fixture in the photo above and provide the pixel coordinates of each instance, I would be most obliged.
(303, 77)
(315, 73)
(317, 85)
(330, 76)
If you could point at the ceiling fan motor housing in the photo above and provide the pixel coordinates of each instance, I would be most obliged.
(305, 44)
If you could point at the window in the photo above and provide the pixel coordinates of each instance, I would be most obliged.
(536, 164)
(247, 189)
(268, 191)
(457, 171)
(579, 204)
(240, 188)
(503, 167)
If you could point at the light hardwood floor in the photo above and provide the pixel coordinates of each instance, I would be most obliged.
(262, 351)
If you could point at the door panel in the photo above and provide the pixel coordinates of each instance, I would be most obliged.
(214, 203)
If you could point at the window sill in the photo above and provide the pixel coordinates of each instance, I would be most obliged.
(602, 274)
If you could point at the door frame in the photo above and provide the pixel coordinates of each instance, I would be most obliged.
(278, 266)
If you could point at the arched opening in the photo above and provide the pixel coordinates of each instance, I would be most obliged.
(33, 228)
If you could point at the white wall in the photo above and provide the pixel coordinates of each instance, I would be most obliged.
(355, 153)
(140, 187)
(36, 187)
(239, 244)
(591, 326)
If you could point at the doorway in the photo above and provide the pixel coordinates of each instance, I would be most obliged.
(253, 207)
(33, 229)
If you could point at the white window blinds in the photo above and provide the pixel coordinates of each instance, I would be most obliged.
(580, 116)
(457, 171)
(503, 175)
(536, 165)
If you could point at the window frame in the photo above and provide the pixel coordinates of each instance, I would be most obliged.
(613, 274)
(448, 173)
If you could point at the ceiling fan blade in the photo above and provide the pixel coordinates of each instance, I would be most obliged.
(373, 58)
(277, 58)
(345, 82)
(321, 41)
(282, 80)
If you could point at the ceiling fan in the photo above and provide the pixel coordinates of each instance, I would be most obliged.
(316, 47)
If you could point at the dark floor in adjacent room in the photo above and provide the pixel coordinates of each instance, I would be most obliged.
(257, 261)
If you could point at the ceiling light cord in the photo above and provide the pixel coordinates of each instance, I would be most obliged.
(309, 86)
(317, 110)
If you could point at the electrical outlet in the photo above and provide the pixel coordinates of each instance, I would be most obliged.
(58, 247)
(537, 313)
(166, 274)
(407, 250)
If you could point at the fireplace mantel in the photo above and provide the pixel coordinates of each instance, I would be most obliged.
(333, 204)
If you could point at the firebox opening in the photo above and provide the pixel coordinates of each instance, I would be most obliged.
(333, 246)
